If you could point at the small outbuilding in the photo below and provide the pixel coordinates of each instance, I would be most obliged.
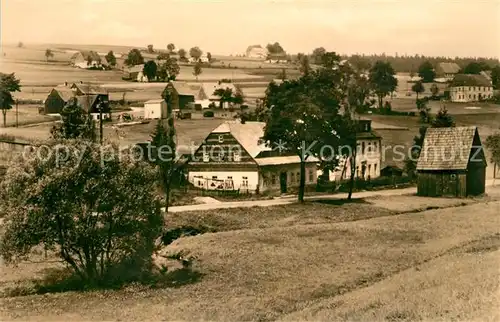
(452, 163)
(155, 109)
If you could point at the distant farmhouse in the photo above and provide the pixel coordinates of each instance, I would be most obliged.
(135, 73)
(197, 93)
(233, 157)
(447, 71)
(452, 163)
(257, 52)
(277, 58)
(90, 98)
(470, 88)
(86, 59)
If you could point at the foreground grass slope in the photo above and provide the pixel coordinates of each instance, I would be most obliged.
(309, 270)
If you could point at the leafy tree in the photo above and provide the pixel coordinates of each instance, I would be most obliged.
(8, 84)
(493, 144)
(106, 219)
(360, 64)
(434, 90)
(382, 80)
(495, 77)
(426, 72)
(282, 75)
(443, 119)
(305, 67)
(76, 123)
(299, 58)
(111, 59)
(197, 70)
(151, 49)
(150, 69)
(473, 68)
(168, 70)
(424, 110)
(48, 54)
(182, 54)
(238, 98)
(134, 57)
(275, 48)
(317, 55)
(171, 47)
(209, 57)
(195, 52)
(163, 153)
(163, 56)
(418, 88)
(411, 160)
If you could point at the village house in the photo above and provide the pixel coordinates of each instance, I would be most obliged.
(210, 88)
(447, 71)
(92, 104)
(256, 52)
(470, 88)
(184, 94)
(277, 58)
(91, 97)
(86, 59)
(233, 157)
(155, 109)
(135, 74)
(452, 163)
(368, 156)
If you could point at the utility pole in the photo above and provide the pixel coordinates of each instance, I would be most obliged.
(99, 106)
(17, 112)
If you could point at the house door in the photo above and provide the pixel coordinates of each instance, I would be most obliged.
(283, 179)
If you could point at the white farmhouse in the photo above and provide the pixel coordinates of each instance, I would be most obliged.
(233, 157)
(155, 109)
(368, 155)
(470, 88)
(86, 59)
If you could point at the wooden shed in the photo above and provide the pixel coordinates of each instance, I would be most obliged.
(452, 163)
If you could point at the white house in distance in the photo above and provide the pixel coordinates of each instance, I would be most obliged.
(368, 155)
(86, 59)
(155, 109)
(470, 88)
(233, 157)
(256, 52)
(210, 88)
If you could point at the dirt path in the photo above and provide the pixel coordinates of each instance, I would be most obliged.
(292, 199)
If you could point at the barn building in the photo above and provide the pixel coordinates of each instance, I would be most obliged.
(155, 109)
(233, 157)
(57, 99)
(452, 163)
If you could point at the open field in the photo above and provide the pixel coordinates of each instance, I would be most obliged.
(306, 263)
(27, 114)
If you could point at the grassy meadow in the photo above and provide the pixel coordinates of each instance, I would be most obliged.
(316, 261)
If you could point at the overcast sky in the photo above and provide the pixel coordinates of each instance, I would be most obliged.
(429, 27)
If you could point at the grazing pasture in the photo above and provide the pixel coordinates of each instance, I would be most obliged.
(302, 262)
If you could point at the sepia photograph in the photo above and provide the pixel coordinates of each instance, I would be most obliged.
(249, 160)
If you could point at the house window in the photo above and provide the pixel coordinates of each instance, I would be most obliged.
(221, 138)
(273, 179)
(298, 177)
(292, 177)
(469, 88)
(311, 176)
(357, 171)
(244, 182)
(369, 170)
(229, 178)
(214, 177)
(375, 169)
(206, 157)
(236, 157)
(362, 147)
(470, 96)
(375, 146)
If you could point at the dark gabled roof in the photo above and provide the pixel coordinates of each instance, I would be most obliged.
(87, 101)
(89, 89)
(368, 135)
(64, 92)
(185, 89)
(470, 80)
(447, 68)
(447, 148)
